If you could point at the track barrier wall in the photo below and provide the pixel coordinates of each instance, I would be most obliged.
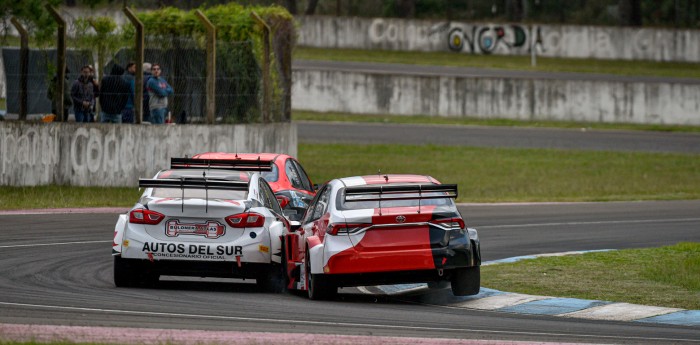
(482, 97)
(563, 41)
(118, 155)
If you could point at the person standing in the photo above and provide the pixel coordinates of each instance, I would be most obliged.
(114, 93)
(83, 96)
(96, 91)
(146, 98)
(129, 78)
(67, 99)
(158, 92)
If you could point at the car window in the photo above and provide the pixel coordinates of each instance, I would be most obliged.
(309, 215)
(322, 204)
(271, 176)
(293, 174)
(270, 199)
(357, 203)
(305, 181)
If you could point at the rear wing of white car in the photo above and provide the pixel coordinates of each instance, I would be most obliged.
(225, 164)
(194, 183)
(400, 192)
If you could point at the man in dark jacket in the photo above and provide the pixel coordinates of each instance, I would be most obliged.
(83, 96)
(114, 93)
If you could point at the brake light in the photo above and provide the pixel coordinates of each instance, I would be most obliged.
(345, 228)
(242, 220)
(453, 223)
(143, 216)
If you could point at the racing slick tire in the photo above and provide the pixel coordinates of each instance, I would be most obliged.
(272, 280)
(316, 285)
(122, 275)
(466, 281)
(132, 274)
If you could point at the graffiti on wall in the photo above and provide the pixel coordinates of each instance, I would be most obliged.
(487, 39)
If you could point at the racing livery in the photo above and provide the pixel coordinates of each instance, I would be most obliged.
(383, 229)
(202, 218)
(288, 179)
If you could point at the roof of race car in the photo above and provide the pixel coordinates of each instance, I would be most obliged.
(228, 155)
(387, 179)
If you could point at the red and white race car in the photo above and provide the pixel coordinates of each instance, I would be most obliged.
(288, 179)
(202, 218)
(382, 229)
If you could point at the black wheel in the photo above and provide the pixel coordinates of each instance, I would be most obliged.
(123, 276)
(272, 280)
(316, 286)
(466, 281)
(132, 273)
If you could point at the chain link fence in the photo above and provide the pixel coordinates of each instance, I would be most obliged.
(103, 44)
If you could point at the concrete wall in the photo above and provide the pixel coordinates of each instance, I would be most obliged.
(503, 39)
(118, 155)
(523, 99)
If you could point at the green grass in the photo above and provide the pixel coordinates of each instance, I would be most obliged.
(3, 103)
(299, 115)
(66, 196)
(483, 174)
(666, 276)
(518, 175)
(618, 67)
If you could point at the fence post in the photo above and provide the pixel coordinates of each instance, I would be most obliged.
(138, 78)
(60, 62)
(265, 67)
(211, 66)
(23, 67)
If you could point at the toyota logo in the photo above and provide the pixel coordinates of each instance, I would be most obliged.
(400, 219)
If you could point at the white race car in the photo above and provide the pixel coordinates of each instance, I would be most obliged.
(202, 218)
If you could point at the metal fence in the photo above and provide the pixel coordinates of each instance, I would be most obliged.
(250, 83)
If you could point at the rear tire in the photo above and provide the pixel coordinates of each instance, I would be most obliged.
(123, 277)
(132, 273)
(466, 281)
(272, 281)
(317, 287)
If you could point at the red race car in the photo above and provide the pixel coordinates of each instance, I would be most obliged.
(382, 229)
(288, 179)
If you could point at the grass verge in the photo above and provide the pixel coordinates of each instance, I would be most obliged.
(483, 174)
(66, 196)
(498, 174)
(544, 64)
(667, 276)
(299, 115)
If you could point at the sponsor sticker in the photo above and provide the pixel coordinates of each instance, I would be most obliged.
(125, 243)
(191, 251)
(209, 229)
(264, 249)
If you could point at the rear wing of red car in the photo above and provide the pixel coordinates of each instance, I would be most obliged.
(225, 164)
(399, 191)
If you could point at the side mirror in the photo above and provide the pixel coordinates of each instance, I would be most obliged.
(283, 200)
(294, 225)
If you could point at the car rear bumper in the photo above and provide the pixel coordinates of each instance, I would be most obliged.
(201, 268)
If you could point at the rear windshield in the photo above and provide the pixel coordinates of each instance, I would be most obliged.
(271, 176)
(201, 193)
(359, 204)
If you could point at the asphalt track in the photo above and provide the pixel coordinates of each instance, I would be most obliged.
(56, 269)
(485, 136)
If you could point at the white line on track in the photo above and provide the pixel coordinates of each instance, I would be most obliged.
(589, 223)
(327, 323)
(50, 244)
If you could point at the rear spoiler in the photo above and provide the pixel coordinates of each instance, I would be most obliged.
(389, 192)
(225, 164)
(194, 183)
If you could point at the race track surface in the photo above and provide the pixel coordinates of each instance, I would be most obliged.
(57, 269)
(484, 136)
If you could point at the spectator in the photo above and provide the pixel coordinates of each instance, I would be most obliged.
(114, 95)
(128, 112)
(96, 91)
(83, 94)
(158, 92)
(67, 100)
(146, 76)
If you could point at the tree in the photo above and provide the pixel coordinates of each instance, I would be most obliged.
(406, 8)
(630, 12)
(291, 6)
(311, 7)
